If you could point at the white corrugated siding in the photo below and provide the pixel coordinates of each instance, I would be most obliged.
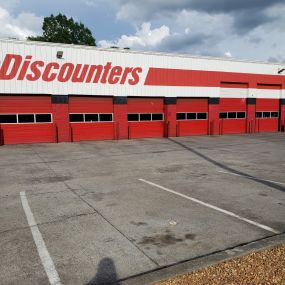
(85, 55)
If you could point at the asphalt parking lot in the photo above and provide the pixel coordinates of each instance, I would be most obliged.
(98, 212)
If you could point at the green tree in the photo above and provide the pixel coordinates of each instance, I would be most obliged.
(60, 29)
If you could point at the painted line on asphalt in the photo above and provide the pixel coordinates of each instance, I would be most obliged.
(40, 244)
(264, 227)
(251, 177)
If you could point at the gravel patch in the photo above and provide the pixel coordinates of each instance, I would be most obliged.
(266, 267)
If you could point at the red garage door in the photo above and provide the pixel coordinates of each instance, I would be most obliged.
(267, 115)
(232, 115)
(91, 118)
(192, 117)
(26, 119)
(145, 117)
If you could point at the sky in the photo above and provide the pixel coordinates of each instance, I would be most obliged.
(242, 29)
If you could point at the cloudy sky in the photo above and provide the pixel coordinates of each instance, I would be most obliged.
(244, 29)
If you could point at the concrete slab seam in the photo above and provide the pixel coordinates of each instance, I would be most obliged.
(264, 227)
(45, 257)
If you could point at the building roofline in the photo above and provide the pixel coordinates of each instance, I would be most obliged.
(122, 50)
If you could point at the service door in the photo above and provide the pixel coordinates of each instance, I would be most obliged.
(232, 115)
(267, 115)
(145, 118)
(26, 119)
(91, 118)
(267, 109)
(192, 117)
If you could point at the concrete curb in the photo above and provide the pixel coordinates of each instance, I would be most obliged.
(204, 261)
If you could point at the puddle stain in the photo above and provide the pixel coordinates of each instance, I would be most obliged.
(171, 168)
(138, 223)
(111, 205)
(49, 179)
(190, 236)
(162, 240)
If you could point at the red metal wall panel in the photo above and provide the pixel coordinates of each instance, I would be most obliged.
(182, 77)
(195, 127)
(189, 127)
(233, 85)
(267, 105)
(121, 121)
(25, 104)
(282, 117)
(170, 120)
(61, 120)
(192, 105)
(266, 125)
(146, 130)
(213, 117)
(269, 86)
(250, 118)
(92, 131)
(232, 126)
(145, 105)
(28, 133)
(88, 104)
(233, 104)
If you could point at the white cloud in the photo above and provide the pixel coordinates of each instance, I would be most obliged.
(20, 27)
(145, 37)
(228, 54)
(9, 4)
(90, 3)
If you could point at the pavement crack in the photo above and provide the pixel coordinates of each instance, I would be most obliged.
(49, 222)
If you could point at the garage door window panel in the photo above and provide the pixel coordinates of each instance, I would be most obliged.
(105, 117)
(43, 118)
(274, 114)
(240, 115)
(91, 118)
(26, 118)
(145, 117)
(191, 116)
(181, 116)
(133, 117)
(8, 119)
(201, 116)
(157, 117)
(74, 118)
(232, 115)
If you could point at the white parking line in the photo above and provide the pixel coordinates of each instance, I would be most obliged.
(251, 177)
(40, 244)
(213, 207)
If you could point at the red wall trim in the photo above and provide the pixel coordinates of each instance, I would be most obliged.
(181, 77)
(269, 86)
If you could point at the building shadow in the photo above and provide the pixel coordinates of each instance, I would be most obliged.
(267, 183)
(106, 273)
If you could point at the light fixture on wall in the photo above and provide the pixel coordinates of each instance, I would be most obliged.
(59, 54)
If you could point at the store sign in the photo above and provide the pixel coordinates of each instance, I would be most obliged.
(15, 67)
